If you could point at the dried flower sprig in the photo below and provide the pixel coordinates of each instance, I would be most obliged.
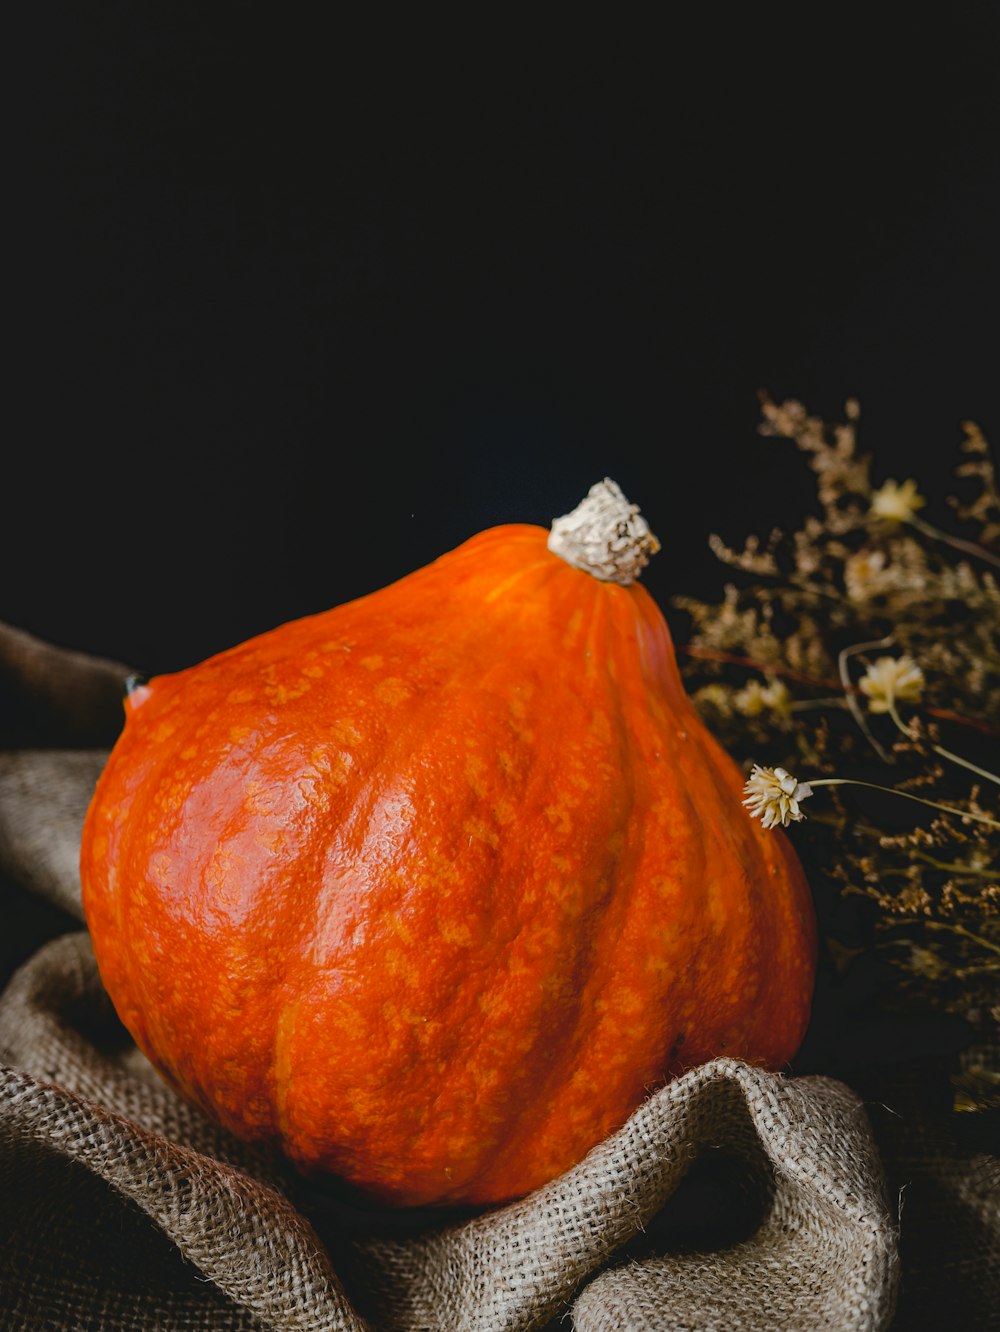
(890, 678)
(773, 796)
(893, 503)
(897, 504)
(867, 637)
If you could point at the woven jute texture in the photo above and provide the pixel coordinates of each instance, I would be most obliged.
(733, 1198)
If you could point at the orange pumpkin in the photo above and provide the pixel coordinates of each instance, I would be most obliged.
(432, 888)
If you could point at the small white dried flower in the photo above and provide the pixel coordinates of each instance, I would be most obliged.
(890, 678)
(897, 504)
(773, 796)
(755, 698)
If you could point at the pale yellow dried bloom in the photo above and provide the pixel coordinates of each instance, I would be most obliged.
(714, 696)
(890, 678)
(755, 698)
(897, 504)
(863, 574)
(773, 796)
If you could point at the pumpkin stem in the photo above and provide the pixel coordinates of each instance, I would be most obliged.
(605, 536)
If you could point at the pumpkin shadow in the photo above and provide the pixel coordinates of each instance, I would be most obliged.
(722, 1200)
(334, 1207)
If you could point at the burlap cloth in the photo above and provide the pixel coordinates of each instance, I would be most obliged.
(733, 1198)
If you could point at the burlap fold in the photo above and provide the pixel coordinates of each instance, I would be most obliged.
(76, 1095)
(733, 1198)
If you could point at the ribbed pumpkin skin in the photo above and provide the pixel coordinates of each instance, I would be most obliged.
(432, 888)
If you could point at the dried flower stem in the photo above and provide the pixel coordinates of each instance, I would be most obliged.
(851, 698)
(966, 934)
(968, 547)
(951, 867)
(807, 704)
(907, 795)
(940, 749)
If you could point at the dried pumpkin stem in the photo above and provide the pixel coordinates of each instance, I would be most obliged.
(604, 535)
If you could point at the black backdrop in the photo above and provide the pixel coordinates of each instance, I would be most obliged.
(298, 307)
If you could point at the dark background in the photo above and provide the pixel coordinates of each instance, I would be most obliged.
(298, 306)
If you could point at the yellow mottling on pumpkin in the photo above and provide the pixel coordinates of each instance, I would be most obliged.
(363, 1103)
(345, 732)
(340, 768)
(494, 1003)
(627, 1001)
(487, 1080)
(399, 926)
(572, 630)
(475, 776)
(442, 874)
(559, 816)
(455, 931)
(527, 1044)
(171, 798)
(480, 831)
(254, 1110)
(326, 768)
(655, 964)
(412, 1017)
(662, 886)
(394, 1032)
(542, 943)
(160, 867)
(582, 1083)
(279, 693)
(392, 691)
(219, 868)
(238, 733)
(400, 965)
(261, 797)
(523, 733)
(372, 663)
(600, 728)
(462, 1146)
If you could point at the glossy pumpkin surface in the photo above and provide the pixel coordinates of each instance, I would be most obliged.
(431, 889)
